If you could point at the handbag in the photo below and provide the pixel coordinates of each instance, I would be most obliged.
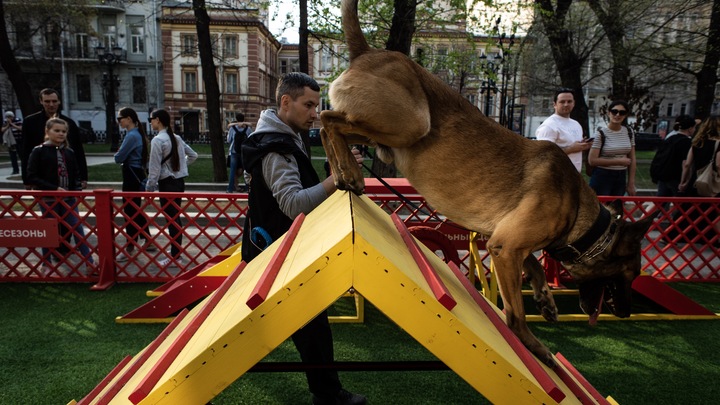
(708, 178)
(143, 182)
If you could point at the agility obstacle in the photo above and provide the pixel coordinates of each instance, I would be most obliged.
(347, 242)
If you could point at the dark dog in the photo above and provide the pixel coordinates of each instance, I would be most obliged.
(526, 195)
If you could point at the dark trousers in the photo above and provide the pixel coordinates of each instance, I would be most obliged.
(172, 212)
(315, 343)
(608, 182)
(14, 159)
(135, 218)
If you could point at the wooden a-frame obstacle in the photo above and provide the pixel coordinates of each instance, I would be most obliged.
(347, 242)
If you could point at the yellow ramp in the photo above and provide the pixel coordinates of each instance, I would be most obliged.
(347, 242)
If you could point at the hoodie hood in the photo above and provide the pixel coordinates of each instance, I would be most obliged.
(271, 135)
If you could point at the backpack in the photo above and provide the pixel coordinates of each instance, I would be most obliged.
(239, 138)
(589, 168)
(659, 167)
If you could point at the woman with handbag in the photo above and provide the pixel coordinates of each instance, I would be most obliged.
(133, 156)
(702, 155)
(704, 152)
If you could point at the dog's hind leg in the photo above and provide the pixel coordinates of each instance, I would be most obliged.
(544, 300)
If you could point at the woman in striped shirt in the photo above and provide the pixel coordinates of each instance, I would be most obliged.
(613, 155)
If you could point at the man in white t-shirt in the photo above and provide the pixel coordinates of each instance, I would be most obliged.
(564, 131)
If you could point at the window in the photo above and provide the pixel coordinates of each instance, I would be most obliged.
(230, 46)
(289, 65)
(81, 46)
(231, 83)
(683, 109)
(23, 36)
(669, 111)
(52, 38)
(108, 30)
(83, 88)
(188, 44)
(137, 38)
(189, 81)
(214, 45)
(139, 90)
(325, 60)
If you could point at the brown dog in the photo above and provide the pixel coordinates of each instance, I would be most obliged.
(526, 195)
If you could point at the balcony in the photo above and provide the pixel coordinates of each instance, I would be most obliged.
(111, 6)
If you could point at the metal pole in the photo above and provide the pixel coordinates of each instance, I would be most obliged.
(110, 109)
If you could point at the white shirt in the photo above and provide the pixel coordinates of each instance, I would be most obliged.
(563, 132)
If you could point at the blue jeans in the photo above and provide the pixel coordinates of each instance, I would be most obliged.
(235, 165)
(608, 182)
(68, 220)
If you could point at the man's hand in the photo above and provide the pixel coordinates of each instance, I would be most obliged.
(358, 156)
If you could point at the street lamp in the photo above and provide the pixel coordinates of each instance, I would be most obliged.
(110, 57)
(488, 85)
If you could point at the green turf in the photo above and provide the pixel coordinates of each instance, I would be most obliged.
(59, 341)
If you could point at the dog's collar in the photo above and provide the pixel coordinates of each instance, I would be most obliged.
(580, 250)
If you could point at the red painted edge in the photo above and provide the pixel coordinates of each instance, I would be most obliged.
(262, 288)
(579, 377)
(101, 386)
(442, 294)
(153, 376)
(140, 360)
(189, 274)
(180, 297)
(670, 298)
(530, 361)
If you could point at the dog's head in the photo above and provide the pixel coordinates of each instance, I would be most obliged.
(608, 277)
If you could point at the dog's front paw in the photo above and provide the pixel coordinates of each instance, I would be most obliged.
(545, 303)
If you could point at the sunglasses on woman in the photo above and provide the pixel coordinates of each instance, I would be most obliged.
(618, 112)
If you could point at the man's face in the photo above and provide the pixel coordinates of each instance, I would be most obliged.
(50, 103)
(301, 113)
(564, 104)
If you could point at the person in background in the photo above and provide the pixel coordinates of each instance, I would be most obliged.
(167, 169)
(283, 184)
(700, 154)
(52, 166)
(238, 131)
(613, 154)
(133, 155)
(8, 139)
(679, 141)
(33, 130)
(562, 130)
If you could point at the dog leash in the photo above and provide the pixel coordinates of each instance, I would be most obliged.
(406, 201)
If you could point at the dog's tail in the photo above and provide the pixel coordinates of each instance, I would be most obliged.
(356, 42)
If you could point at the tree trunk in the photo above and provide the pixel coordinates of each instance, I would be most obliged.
(212, 91)
(403, 27)
(22, 89)
(569, 64)
(304, 61)
(707, 77)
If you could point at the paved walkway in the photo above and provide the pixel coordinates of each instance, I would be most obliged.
(10, 181)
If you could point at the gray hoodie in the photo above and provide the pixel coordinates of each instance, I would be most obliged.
(281, 172)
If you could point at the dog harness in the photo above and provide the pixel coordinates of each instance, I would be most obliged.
(587, 247)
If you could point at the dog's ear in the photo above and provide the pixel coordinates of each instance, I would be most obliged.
(616, 207)
(632, 234)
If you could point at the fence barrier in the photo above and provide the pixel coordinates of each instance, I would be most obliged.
(682, 245)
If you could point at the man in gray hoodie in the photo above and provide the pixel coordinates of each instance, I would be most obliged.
(283, 184)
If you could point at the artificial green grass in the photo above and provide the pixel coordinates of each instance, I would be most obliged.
(59, 341)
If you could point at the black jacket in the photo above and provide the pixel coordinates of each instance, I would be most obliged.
(263, 208)
(42, 168)
(33, 132)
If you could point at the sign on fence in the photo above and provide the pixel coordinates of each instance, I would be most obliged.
(29, 233)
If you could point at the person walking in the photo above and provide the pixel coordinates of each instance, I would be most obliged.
(167, 169)
(284, 184)
(613, 154)
(52, 166)
(8, 139)
(562, 130)
(238, 131)
(673, 151)
(133, 155)
(33, 133)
